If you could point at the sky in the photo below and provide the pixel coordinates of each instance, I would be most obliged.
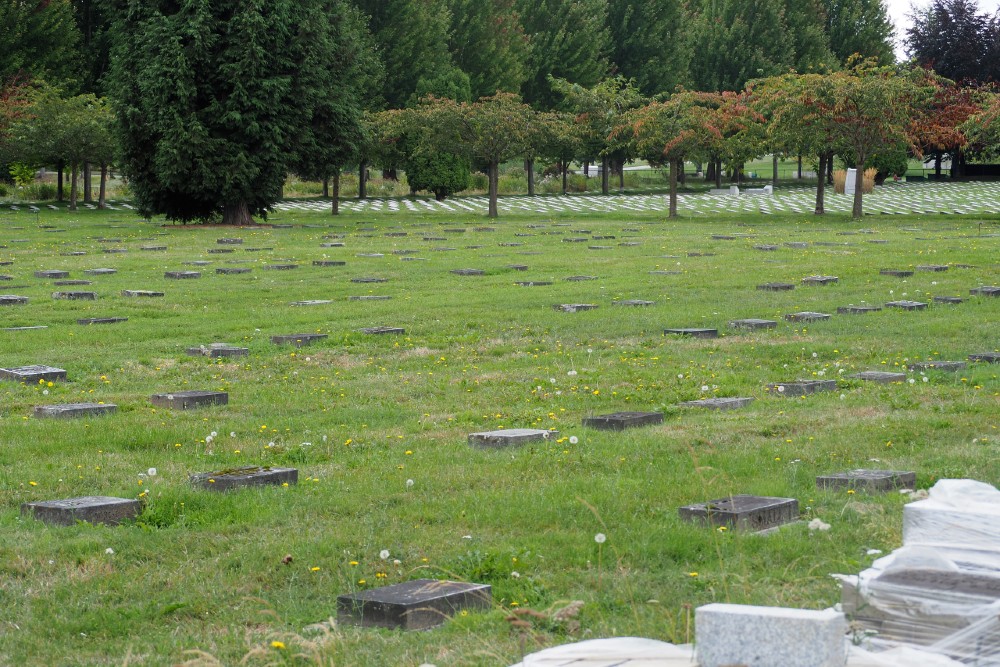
(899, 9)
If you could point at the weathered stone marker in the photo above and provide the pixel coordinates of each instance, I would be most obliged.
(370, 297)
(936, 268)
(182, 275)
(412, 605)
(988, 290)
(75, 296)
(632, 302)
(310, 302)
(820, 280)
(619, 421)
(693, 332)
(325, 262)
(52, 273)
(93, 509)
(375, 331)
(236, 478)
(75, 409)
(101, 320)
(882, 377)
(857, 310)
(215, 350)
(533, 283)
(802, 387)
(229, 241)
(947, 366)
(574, 307)
(509, 437)
(12, 300)
(369, 280)
(298, 340)
(32, 374)
(906, 305)
(987, 357)
(753, 324)
(100, 272)
(232, 270)
(140, 292)
(718, 403)
(897, 273)
(187, 400)
(868, 480)
(71, 283)
(952, 300)
(576, 279)
(807, 316)
(468, 272)
(743, 512)
(776, 287)
(279, 267)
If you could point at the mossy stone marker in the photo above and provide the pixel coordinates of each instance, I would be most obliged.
(413, 605)
(93, 509)
(743, 512)
(619, 421)
(71, 410)
(33, 374)
(236, 478)
(298, 340)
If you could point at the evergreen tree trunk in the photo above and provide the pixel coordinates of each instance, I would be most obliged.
(529, 167)
(102, 195)
(237, 214)
(673, 187)
(88, 183)
(59, 181)
(710, 171)
(326, 188)
(335, 203)
(363, 180)
(800, 167)
(937, 165)
(605, 180)
(72, 187)
(564, 168)
(859, 178)
(494, 177)
(821, 185)
(718, 172)
(774, 171)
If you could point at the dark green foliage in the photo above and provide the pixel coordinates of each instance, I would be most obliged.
(214, 100)
(569, 39)
(859, 26)
(956, 41)
(449, 82)
(649, 43)
(739, 40)
(442, 173)
(38, 39)
(806, 21)
(488, 43)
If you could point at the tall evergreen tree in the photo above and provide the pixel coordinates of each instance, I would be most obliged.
(955, 40)
(649, 43)
(859, 26)
(488, 43)
(412, 39)
(212, 96)
(38, 39)
(569, 40)
(806, 20)
(739, 40)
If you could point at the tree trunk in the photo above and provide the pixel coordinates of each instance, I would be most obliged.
(72, 187)
(605, 176)
(621, 178)
(335, 201)
(710, 171)
(88, 184)
(718, 172)
(821, 185)
(59, 182)
(237, 214)
(937, 165)
(363, 180)
(564, 168)
(829, 169)
(859, 178)
(774, 171)
(586, 169)
(102, 195)
(800, 167)
(529, 167)
(957, 163)
(390, 175)
(673, 187)
(494, 177)
(326, 188)
(680, 173)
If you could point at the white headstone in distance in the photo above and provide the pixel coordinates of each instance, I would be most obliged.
(852, 175)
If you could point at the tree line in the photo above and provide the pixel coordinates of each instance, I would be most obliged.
(215, 101)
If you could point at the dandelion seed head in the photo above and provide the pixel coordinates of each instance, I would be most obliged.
(600, 538)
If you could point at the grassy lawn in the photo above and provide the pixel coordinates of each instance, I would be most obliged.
(205, 578)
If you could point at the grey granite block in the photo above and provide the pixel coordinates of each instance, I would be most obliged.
(95, 509)
(412, 605)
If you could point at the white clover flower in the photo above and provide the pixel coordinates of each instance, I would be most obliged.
(600, 538)
(384, 554)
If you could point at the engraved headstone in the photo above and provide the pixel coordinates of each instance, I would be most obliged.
(952, 300)
(987, 290)
(216, 350)
(881, 377)
(718, 403)
(370, 297)
(52, 273)
(857, 310)
(575, 307)
(753, 324)
(412, 605)
(383, 330)
(946, 366)
(12, 300)
(806, 316)
(776, 287)
(232, 270)
(369, 280)
(987, 357)
(325, 262)
(75, 296)
(279, 267)
(468, 272)
(182, 275)
(632, 302)
(819, 280)
(100, 272)
(897, 273)
(743, 512)
(140, 292)
(906, 305)
(533, 283)
(936, 268)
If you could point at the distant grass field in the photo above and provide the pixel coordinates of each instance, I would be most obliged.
(202, 578)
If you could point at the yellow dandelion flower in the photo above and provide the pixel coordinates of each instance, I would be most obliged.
(278, 645)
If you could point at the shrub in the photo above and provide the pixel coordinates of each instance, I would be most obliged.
(443, 174)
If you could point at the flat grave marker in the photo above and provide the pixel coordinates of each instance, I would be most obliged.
(52, 273)
(950, 300)
(468, 272)
(802, 387)
(93, 509)
(216, 350)
(945, 366)
(896, 273)
(986, 290)
(806, 316)
(182, 275)
(238, 478)
(633, 302)
(718, 403)
(753, 324)
(857, 310)
(365, 280)
(71, 283)
(100, 272)
(232, 270)
(776, 287)
(693, 332)
(935, 268)
(413, 605)
(575, 307)
(33, 374)
(187, 400)
(986, 357)
(868, 480)
(375, 331)
(881, 377)
(75, 296)
(577, 279)
(71, 410)
(325, 262)
(298, 340)
(619, 421)
(509, 437)
(101, 320)
(820, 280)
(743, 512)
(141, 293)
(906, 305)
(370, 297)
(533, 283)
(279, 267)
(12, 300)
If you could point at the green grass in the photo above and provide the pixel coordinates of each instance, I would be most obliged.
(201, 578)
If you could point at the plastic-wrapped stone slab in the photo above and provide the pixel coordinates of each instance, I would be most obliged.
(237, 478)
(101, 320)
(70, 410)
(753, 324)
(216, 350)
(743, 512)
(802, 387)
(868, 480)
(731, 635)
(857, 310)
(412, 605)
(619, 421)
(718, 403)
(882, 377)
(509, 437)
(693, 332)
(947, 366)
(187, 400)
(32, 374)
(140, 292)
(94, 509)
(575, 307)
(182, 275)
(807, 316)
(298, 340)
